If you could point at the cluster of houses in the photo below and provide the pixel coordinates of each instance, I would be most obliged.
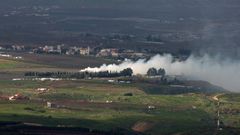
(74, 50)
(18, 47)
(13, 47)
(37, 11)
(79, 50)
(117, 53)
(61, 49)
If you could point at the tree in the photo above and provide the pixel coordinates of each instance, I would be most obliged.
(152, 72)
(126, 72)
(161, 71)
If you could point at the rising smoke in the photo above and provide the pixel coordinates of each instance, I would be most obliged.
(222, 72)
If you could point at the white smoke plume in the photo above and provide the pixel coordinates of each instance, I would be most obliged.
(221, 72)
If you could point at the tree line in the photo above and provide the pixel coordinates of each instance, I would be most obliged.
(154, 72)
(86, 74)
(80, 75)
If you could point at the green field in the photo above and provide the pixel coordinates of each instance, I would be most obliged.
(7, 64)
(83, 103)
(96, 104)
(12, 64)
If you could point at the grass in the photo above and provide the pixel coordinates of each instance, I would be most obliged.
(12, 64)
(4, 64)
(97, 118)
(231, 97)
(229, 109)
(15, 68)
(63, 61)
(85, 106)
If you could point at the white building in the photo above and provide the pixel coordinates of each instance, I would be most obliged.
(85, 51)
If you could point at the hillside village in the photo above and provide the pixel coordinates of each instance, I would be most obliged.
(74, 50)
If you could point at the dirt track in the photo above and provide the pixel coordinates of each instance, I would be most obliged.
(216, 97)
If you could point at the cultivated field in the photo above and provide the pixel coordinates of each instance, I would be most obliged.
(100, 105)
(15, 68)
(96, 104)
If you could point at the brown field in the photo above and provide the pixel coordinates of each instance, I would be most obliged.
(15, 68)
(63, 61)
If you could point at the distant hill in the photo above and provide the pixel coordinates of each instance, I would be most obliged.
(208, 25)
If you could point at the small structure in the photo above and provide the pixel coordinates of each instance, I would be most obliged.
(17, 79)
(124, 81)
(18, 57)
(51, 105)
(84, 51)
(121, 81)
(17, 97)
(42, 90)
(128, 82)
(109, 101)
(111, 81)
(113, 52)
(151, 107)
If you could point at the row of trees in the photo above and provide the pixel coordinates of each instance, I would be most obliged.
(154, 72)
(80, 75)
